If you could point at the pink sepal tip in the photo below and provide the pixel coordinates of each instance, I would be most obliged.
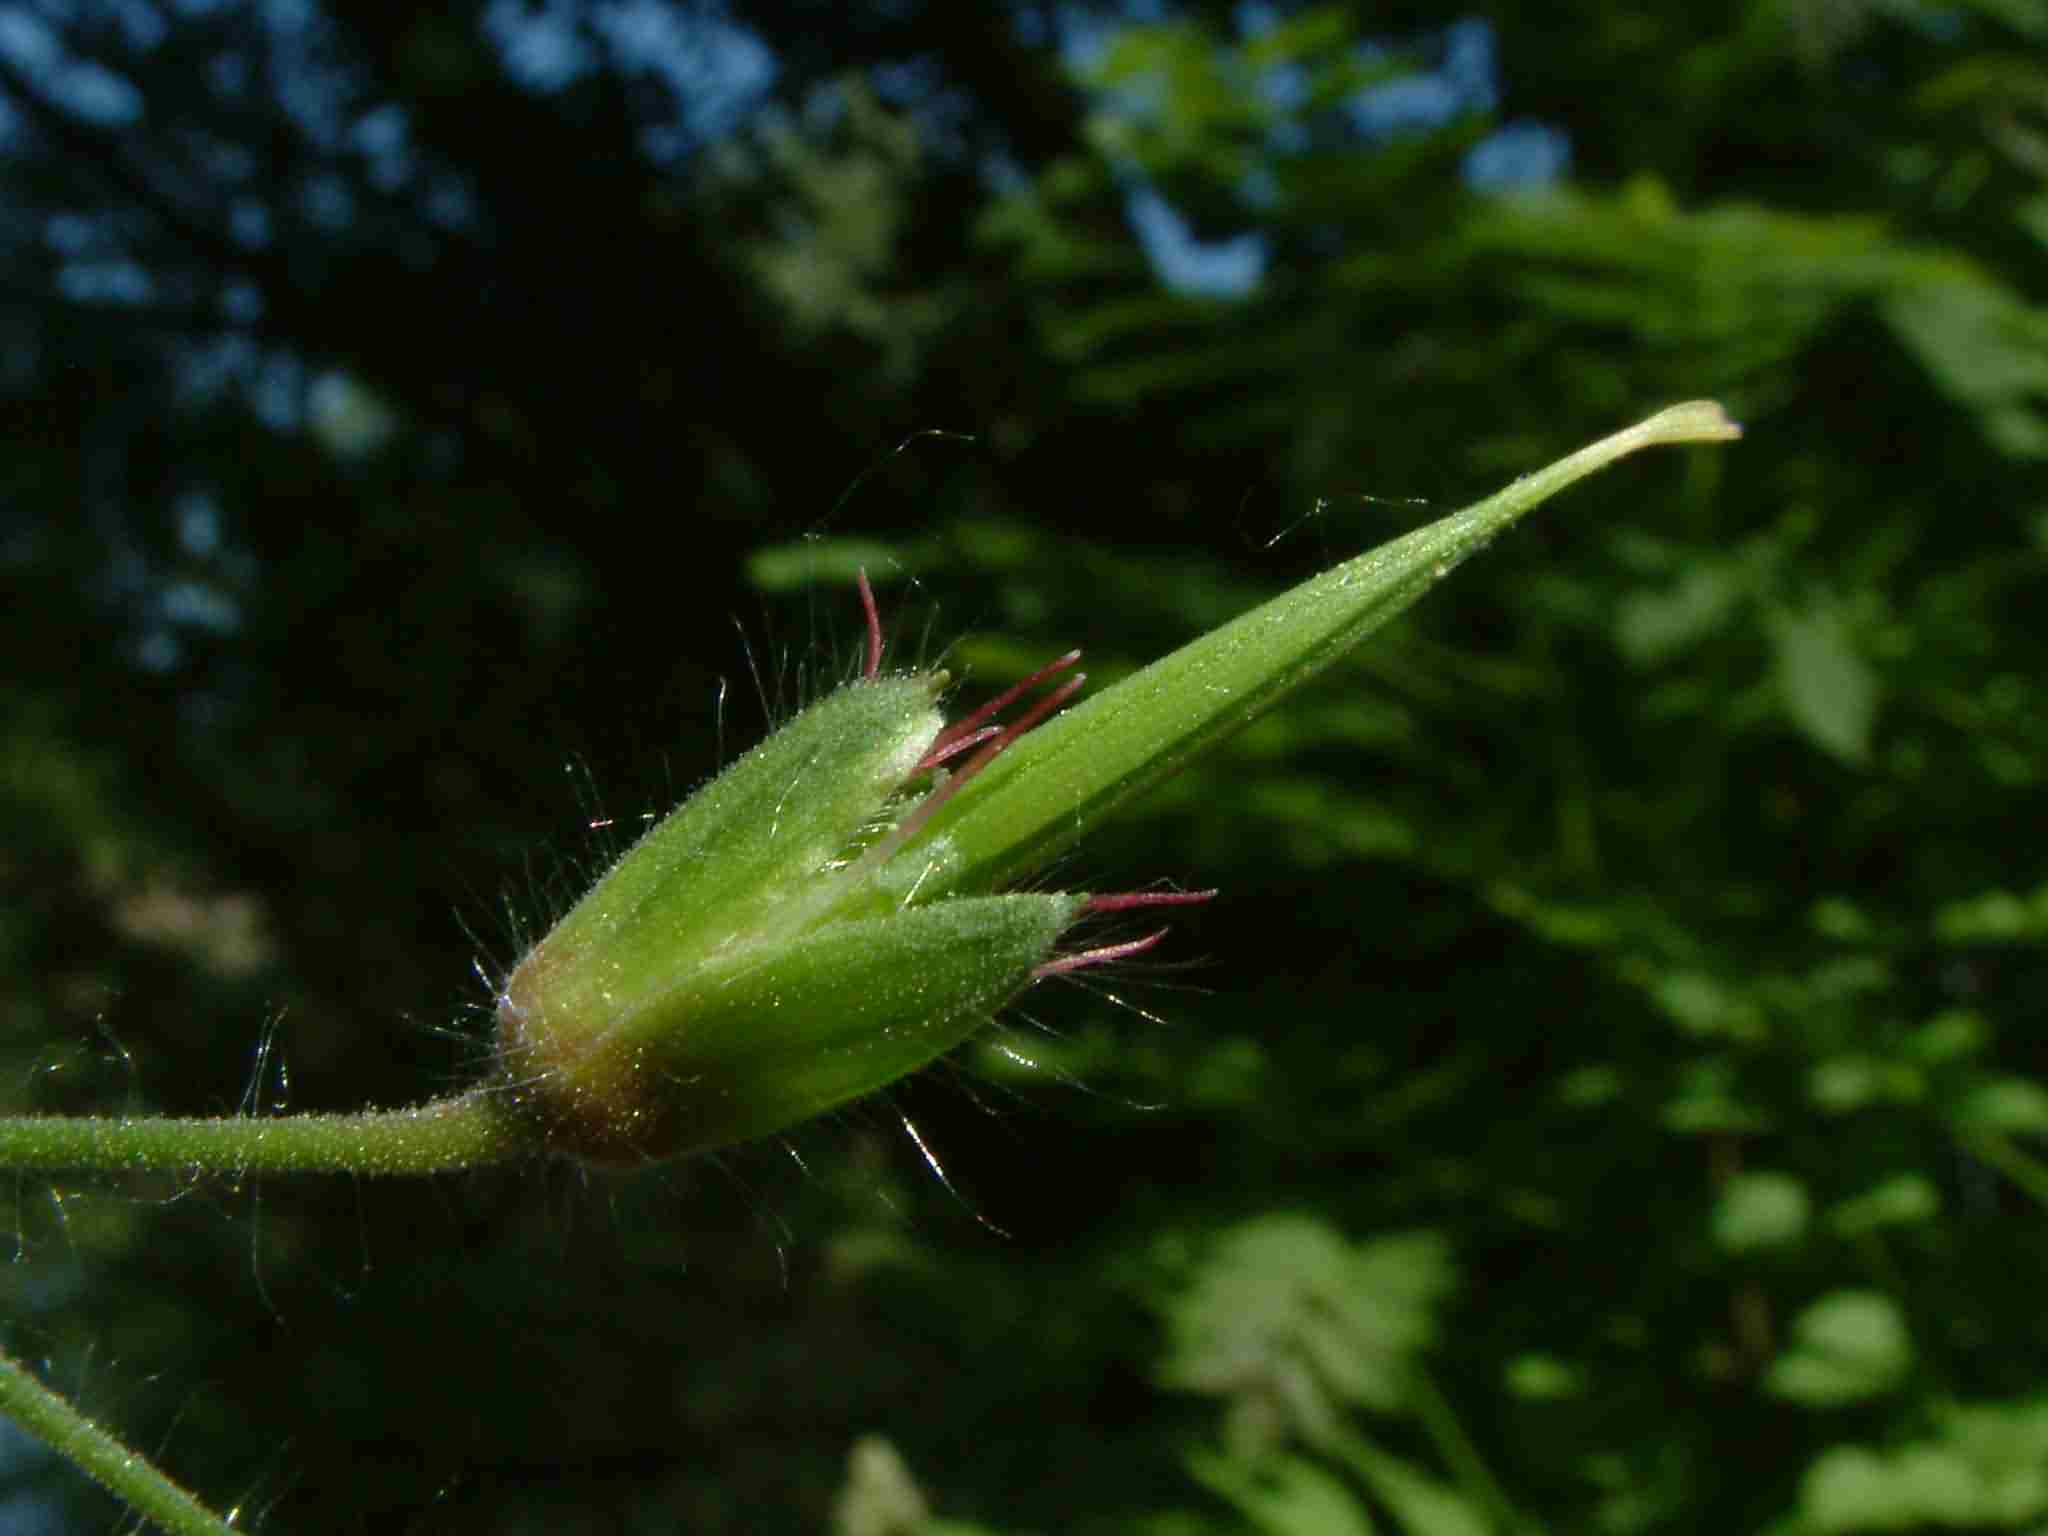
(1123, 901)
(1025, 722)
(994, 738)
(954, 748)
(1099, 956)
(1002, 701)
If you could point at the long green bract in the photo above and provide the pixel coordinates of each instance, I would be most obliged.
(1039, 797)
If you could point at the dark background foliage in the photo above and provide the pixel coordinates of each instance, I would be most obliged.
(1600, 1099)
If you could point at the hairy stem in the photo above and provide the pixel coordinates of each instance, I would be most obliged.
(107, 1461)
(466, 1131)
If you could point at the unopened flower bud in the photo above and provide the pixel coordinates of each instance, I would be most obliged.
(822, 918)
(730, 975)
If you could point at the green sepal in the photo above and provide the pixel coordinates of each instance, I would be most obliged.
(772, 1034)
(740, 860)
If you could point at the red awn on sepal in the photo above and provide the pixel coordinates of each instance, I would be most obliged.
(983, 726)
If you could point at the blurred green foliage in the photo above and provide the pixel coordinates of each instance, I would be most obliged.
(1607, 1095)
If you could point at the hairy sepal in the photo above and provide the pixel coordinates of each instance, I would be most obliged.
(735, 862)
(766, 1036)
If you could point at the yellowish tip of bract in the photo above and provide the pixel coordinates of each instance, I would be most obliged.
(1695, 421)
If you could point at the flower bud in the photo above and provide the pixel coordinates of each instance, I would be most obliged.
(819, 920)
(752, 961)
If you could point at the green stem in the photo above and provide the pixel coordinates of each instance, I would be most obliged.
(466, 1131)
(107, 1461)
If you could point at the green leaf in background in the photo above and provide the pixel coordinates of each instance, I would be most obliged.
(1953, 1035)
(1286, 1313)
(1983, 345)
(2008, 1104)
(1709, 1099)
(833, 562)
(880, 1497)
(1702, 1005)
(1760, 1210)
(1985, 1467)
(1906, 1199)
(1995, 917)
(1840, 1085)
(1419, 1504)
(1544, 1378)
(1655, 626)
(1283, 1495)
(1828, 689)
(1852, 1488)
(1846, 1347)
